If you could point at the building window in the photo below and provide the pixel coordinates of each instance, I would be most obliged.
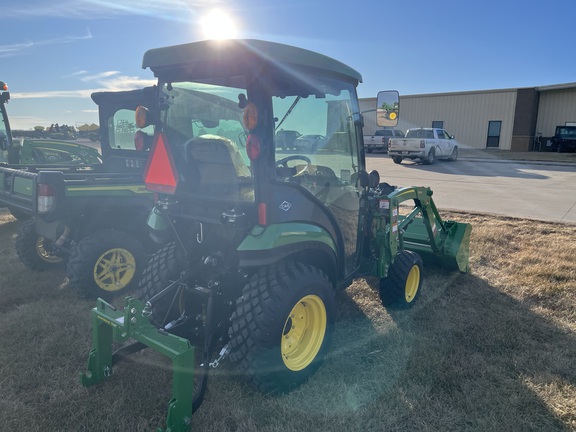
(493, 140)
(438, 124)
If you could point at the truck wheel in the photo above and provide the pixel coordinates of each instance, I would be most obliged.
(401, 289)
(397, 159)
(431, 157)
(163, 267)
(106, 263)
(369, 150)
(282, 326)
(453, 155)
(36, 252)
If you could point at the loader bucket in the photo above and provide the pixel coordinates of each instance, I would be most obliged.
(449, 246)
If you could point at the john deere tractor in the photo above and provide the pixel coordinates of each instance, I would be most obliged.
(256, 244)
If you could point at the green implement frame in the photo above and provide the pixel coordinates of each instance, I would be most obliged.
(422, 230)
(110, 325)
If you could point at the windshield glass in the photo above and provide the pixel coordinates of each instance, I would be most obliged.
(319, 126)
(190, 110)
(203, 125)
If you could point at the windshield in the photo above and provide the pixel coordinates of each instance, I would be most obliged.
(203, 126)
(567, 132)
(190, 110)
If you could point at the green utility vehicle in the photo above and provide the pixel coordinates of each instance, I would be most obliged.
(87, 208)
(258, 243)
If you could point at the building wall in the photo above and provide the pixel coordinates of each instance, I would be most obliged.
(525, 116)
(557, 108)
(465, 115)
(524, 113)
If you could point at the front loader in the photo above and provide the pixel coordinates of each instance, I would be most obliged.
(258, 239)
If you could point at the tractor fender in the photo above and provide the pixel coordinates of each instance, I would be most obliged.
(266, 245)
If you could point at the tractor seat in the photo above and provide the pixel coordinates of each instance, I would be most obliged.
(216, 167)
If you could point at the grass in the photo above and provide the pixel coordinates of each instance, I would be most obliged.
(491, 350)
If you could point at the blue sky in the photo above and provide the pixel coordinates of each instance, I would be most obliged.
(54, 54)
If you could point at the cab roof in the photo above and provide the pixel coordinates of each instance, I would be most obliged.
(238, 57)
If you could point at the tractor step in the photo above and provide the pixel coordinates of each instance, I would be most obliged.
(111, 325)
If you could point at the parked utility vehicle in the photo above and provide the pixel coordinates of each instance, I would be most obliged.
(424, 144)
(88, 210)
(379, 141)
(258, 243)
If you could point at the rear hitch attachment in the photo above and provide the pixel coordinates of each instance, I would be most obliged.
(110, 325)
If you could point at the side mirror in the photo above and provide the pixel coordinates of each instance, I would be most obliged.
(374, 178)
(387, 108)
(4, 96)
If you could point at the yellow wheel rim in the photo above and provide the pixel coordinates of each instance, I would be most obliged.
(303, 333)
(412, 283)
(47, 256)
(114, 269)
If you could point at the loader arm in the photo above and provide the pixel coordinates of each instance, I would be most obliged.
(422, 230)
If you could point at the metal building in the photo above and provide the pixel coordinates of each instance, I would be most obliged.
(520, 119)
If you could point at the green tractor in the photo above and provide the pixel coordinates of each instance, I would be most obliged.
(256, 244)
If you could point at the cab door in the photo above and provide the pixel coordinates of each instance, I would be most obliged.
(319, 184)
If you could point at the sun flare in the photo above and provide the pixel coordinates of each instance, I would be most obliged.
(217, 24)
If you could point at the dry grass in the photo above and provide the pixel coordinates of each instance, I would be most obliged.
(492, 350)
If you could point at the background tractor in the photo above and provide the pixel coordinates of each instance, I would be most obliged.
(256, 243)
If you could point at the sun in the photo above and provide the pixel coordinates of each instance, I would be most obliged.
(217, 24)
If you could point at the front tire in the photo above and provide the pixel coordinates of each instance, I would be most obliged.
(454, 155)
(282, 326)
(36, 252)
(106, 263)
(401, 289)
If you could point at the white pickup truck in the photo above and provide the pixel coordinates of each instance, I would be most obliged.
(379, 141)
(425, 144)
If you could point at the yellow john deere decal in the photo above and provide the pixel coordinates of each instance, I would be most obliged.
(139, 189)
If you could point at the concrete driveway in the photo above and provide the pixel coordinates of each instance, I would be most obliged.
(527, 189)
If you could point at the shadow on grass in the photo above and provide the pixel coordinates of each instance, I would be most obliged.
(468, 357)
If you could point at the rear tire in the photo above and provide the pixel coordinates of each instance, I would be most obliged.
(106, 263)
(397, 159)
(36, 252)
(164, 267)
(282, 326)
(401, 289)
(431, 158)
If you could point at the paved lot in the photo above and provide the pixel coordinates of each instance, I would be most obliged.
(528, 189)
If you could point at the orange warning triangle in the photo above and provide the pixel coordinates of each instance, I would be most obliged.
(161, 174)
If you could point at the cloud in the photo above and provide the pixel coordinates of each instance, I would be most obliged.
(96, 9)
(14, 49)
(106, 81)
(23, 47)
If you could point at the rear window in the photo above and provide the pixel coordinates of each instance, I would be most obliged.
(383, 133)
(420, 133)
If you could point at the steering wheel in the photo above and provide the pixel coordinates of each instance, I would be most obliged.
(282, 162)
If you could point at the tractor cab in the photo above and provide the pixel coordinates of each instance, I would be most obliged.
(221, 158)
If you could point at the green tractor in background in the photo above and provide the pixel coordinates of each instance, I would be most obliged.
(258, 243)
